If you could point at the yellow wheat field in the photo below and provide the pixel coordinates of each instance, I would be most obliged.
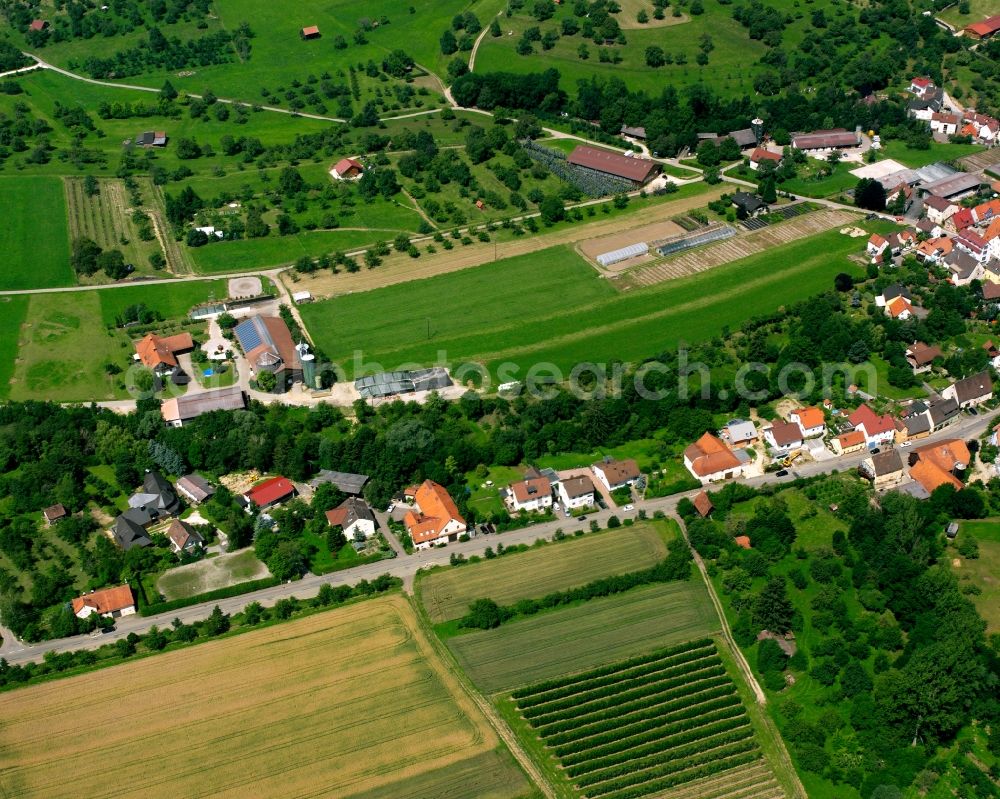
(345, 703)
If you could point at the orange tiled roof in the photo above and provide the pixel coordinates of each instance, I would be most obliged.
(932, 476)
(709, 455)
(108, 600)
(437, 508)
(945, 454)
(155, 351)
(852, 439)
(809, 417)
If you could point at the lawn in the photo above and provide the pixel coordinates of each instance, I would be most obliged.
(485, 499)
(350, 702)
(447, 594)
(882, 386)
(984, 571)
(814, 523)
(809, 184)
(210, 574)
(33, 237)
(596, 632)
(570, 315)
(63, 350)
(13, 311)
(938, 151)
(171, 299)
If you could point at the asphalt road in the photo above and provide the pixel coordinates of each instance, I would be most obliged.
(406, 566)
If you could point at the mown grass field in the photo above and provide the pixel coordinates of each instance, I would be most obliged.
(351, 702)
(172, 299)
(570, 315)
(33, 237)
(12, 313)
(446, 594)
(984, 571)
(211, 574)
(591, 634)
(938, 151)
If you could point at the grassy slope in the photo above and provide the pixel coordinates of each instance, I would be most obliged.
(447, 594)
(983, 571)
(33, 235)
(13, 311)
(570, 315)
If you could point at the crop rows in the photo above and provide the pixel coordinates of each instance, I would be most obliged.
(644, 725)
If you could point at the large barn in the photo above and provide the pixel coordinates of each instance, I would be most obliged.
(639, 170)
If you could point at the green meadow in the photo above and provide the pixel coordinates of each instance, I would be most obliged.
(33, 235)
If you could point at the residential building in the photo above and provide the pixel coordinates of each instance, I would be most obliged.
(960, 221)
(810, 421)
(160, 354)
(129, 529)
(347, 169)
(876, 245)
(919, 85)
(993, 353)
(783, 436)
(709, 459)
(920, 356)
(183, 537)
(267, 344)
(749, 205)
(929, 228)
(638, 170)
(903, 189)
(963, 268)
(945, 123)
(884, 469)
(877, 429)
(576, 492)
(53, 514)
(938, 209)
(971, 391)
(930, 477)
(533, 493)
(942, 412)
(114, 602)
(740, 433)
(913, 427)
(178, 410)
(436, 519)
(194, 488)
(899, 308)
(703, 504)
(933, 250)
(354, 516)
(846, 443)
(614, 474)
(760, 155)
(269, 493)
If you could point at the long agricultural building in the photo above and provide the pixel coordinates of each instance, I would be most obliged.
(825, 139)
(623, 254)
(638, 170)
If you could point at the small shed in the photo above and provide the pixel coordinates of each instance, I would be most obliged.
(952, 529)
(310, 32)
(300, 297)
(38, 25)
(703, 504)
(743, 541)
(53, 514)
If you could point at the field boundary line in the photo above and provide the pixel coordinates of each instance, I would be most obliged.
(504, 732)
(744, 668)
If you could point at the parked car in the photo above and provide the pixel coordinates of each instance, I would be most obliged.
(781, 473)
(583, 518)
(875, 451)
(629, 507)
(973, 412)
(906, 444)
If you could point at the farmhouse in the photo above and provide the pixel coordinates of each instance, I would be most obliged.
(309, 32)
(884, 469)
(151, 138)
(53, 514)
(638, 170)
(825, 139)
(783, 436)
(347, 169)
(846, 443)
(183, 537)
(709, 459)
(270, 493)
(268, 346)
(194, 488)
(532, 493)
(760, 155)
(971, 391)
(354, 517)
(160, 354)
(178, 410)
(112, 602)
(576, 492)
(984, 29)
(437, 518)
(810, 421)
(616, 474)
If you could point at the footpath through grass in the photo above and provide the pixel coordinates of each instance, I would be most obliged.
(33, 235)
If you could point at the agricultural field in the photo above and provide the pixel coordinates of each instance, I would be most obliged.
(211, 574)
(446, 594)
(342, 703)
(33, 236)
(983, 571)
(13, 310)
(106, 218)
(571, 315)
(592, 634)
(645, 725)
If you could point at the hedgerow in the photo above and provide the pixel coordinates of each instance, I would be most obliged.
(644, 748)
(599, 714)
(712, 699)
(610, 695)
(614, 668)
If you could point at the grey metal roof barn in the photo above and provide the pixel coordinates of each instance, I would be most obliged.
(961, 183)
(822, 139)
(384, 384)
(346, 481)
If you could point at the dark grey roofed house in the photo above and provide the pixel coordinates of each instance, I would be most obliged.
(961, 264)
(750, 204)
(744, 138)
(887, 463)
(917, 425)
(942, 412)
(157, 486)
(894, 290)
(970, 390)
(130, 528)
(345, 481)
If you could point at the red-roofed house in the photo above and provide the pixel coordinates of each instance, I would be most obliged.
(877, 429)
(436, 519)
(160, 354)
(347, 169)
(709, 459)
(920, 85)
(810, 421)
(876, 245)
(899, 308)
(849, 442)
(961, 220)
(984, 29)
(270, 492)
(112, 602)
(743, 541)
(975, 245)
(758, 156)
